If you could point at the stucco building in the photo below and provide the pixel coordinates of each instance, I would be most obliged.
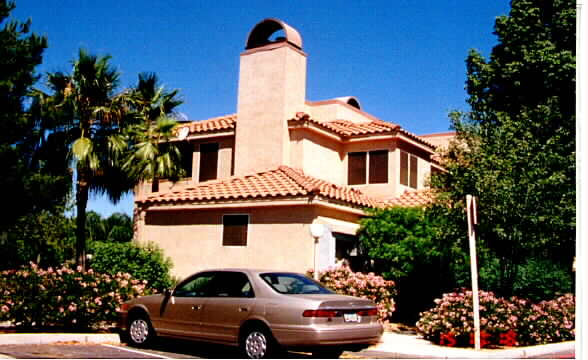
(261, 177)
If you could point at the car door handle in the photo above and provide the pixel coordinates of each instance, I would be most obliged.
(196, 307)
(243, 309)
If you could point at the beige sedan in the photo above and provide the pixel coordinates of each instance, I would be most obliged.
(262, 312)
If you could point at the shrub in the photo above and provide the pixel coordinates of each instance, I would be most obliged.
(548, 321)
(369, 286)
(66, 298)
(502, 322)
(143, 262)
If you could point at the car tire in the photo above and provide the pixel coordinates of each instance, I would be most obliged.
(258, 343)
(140, 332)
(333, 353)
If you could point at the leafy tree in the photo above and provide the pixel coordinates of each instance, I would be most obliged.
(118, 227)
(151, 156)
(87, 115)
(516, 147)
(143, 262)
(26, 175)
(402, 245)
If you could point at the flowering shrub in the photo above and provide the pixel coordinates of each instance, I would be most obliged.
(65, 298)
(369, 286)
(547, 322)
(502, 322)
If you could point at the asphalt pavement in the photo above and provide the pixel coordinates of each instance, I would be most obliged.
(393, 345)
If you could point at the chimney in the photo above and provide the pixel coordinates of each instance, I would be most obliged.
(272, 88)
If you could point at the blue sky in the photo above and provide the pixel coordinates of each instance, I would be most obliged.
(404, 60)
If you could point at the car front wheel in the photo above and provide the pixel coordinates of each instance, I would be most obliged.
(140, 332)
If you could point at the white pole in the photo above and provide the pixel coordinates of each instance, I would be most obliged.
(472, 220)
(581, 181)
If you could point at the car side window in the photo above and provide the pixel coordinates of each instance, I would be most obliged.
(197, 286)
(231, 284)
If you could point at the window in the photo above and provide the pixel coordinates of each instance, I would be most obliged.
(408, 170)
(378, 167)
(358, 171)
(196, 286)
(356, 168)
(216, 284)
(235, 230)
(208, 162)
(186, 150)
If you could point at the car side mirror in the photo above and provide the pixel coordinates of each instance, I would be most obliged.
(167, 292)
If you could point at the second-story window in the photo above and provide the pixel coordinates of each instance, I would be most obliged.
(369, 166)
(208, 162)
(186, 150)
(408, 170)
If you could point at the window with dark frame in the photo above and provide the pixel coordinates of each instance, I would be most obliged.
(374, 162)
(186, 150)
(235, 230)
(208, 169)
(356, 168)
(378, 167)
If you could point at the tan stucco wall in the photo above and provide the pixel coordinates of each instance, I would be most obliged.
(278, 238)
(330, 110)
(440, 140)
(272, 89)
(317, 156)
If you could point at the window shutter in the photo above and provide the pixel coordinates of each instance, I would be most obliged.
(378, 167)
(356, 168)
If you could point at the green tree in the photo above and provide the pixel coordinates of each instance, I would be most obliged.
(151, 155)
(118, 227)
(85, 112)
(30, 173)
(142, 261)
(26, 175)
(516, 148)
(402, 245)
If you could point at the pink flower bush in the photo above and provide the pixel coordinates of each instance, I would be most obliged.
(504, 322)
(67, 298)
(369, 286)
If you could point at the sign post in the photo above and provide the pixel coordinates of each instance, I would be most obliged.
(472, 221)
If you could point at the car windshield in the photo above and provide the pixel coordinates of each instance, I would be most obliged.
(293, 284)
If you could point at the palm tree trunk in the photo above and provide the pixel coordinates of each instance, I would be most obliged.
(81, 203)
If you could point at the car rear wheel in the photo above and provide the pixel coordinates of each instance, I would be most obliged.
(258, 343)
(140, 332)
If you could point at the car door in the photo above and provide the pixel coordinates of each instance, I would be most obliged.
(181, 315)
(230, 302)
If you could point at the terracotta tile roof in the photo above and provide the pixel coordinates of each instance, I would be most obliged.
(226, 122)
(281, 182)
(349, 129)
(343, 128)
(410, 198)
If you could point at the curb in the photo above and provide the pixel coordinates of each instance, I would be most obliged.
(44, 338)
(410, 347)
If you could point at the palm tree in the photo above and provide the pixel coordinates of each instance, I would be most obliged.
(85, 110)
(152, 156)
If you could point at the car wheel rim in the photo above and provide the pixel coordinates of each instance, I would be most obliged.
(139, 331)
(256, 345)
